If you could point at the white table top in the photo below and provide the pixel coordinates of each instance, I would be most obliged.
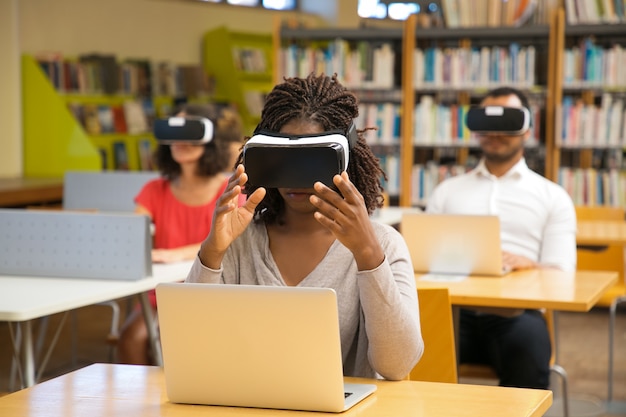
(392, 215)
(24, 298)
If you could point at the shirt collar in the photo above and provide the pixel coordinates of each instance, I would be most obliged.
(517, 171)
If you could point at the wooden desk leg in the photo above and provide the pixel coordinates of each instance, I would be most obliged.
(456, 322)
(151, 325)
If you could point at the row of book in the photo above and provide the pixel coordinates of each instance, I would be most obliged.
(585, 186)
(131, 117)
(479, 67)
(385, 117)
(120, 155)
(425, 177)
(591, 125)
(104, 74)
(437, 123)
(589, 64)
(595, 11)
(390, 163)
(493, 13)
(357, 65)
(250, 59)
(594, 187)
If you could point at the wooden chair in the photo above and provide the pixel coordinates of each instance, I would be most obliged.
(480, 371)
(605, 258)
(438, 363)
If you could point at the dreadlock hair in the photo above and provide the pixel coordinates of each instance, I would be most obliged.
(321, 99)
(227, 128)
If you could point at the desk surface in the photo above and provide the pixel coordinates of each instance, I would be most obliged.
(601, 232)
(24, 298)
(535, 288)
(392, 215)
(15, 192)
(130, 390)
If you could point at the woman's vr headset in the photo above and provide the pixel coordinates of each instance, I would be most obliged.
(273, 160)
(497, 119)
(189, 129)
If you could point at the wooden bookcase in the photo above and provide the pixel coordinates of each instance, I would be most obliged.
(368, 62)
(590, 137)
(242, 65)
(405, 41)
(441, 95)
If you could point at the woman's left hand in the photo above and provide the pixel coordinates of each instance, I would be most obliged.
(347, 218)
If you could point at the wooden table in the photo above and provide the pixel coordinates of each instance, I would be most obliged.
(104, 390)
(532, 289)
(529, 289)
(20, 192)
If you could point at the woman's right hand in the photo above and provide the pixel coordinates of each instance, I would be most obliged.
(229, 219)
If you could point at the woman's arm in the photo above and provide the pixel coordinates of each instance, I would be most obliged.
(389, 301)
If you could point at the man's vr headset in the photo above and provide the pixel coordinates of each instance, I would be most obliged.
(189, 129)
(273, 160)
(497, 119)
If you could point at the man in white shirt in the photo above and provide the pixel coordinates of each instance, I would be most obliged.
(538, 230)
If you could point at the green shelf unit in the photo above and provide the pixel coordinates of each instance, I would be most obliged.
(54, 140)
(242, 65)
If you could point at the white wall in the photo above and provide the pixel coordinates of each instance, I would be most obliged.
(153, 29)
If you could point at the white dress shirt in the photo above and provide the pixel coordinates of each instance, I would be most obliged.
(537, 216)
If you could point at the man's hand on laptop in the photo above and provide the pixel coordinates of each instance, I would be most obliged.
(516, 262)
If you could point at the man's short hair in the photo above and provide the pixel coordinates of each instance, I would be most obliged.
(507, 91)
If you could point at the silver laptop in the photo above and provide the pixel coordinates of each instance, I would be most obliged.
(453, 243)
(254, 346)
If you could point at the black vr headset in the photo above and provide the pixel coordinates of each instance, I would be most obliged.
(497, 119)
(189, 129)
(273, 160)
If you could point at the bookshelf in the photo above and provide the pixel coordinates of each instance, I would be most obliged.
(590, 135)
(54, 141)
(94, 112)
(417, 82)
(453, 69)
(241, 64)
(368, 61)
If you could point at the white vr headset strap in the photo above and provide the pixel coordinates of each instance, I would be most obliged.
(261, 139)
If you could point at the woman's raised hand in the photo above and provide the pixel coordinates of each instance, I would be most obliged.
(346, 216)
(229, 219)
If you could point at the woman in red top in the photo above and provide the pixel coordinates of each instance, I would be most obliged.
(180, 205)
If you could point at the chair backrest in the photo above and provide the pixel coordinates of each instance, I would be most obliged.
(600, 213)
(438, 363)
(107, 191)
(603, 258)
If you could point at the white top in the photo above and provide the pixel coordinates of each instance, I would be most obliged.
(378, 309)
(537, 216)
(24, 298)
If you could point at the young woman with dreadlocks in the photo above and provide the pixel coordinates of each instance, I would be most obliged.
(320, 237)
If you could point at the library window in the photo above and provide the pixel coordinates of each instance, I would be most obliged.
(266, 4)
(395, 10)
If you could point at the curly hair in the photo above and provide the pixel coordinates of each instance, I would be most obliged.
(324, 100)
(227, 127)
